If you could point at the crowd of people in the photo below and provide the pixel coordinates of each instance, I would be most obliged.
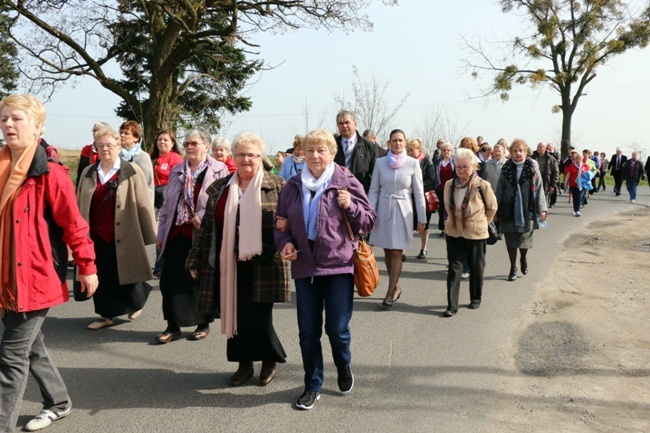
(231, 229)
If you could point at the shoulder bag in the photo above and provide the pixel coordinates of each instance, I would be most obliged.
(366, 273)
(493, 233)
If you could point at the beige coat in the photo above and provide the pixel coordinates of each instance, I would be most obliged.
(480, 215)
(135, 223)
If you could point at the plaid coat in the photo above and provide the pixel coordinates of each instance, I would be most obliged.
(271, 273)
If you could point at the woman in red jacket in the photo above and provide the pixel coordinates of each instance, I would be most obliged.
(37, 199)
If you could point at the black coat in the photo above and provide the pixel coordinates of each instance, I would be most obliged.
(364, 155)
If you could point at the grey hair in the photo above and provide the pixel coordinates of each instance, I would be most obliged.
(464, 154)
(248, 138)
(369, 133)
(203, 133)
(221, 142)
(343, 113)
(446, 144)
(106, 129)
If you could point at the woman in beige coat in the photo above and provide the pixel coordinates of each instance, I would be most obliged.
(470, 205)
(114, 198)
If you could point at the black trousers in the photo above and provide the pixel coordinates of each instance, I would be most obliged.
(618, 181)
(459, 249)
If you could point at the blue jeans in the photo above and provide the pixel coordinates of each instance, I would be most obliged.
(22, 351)
(578, 195)
(630, 184)
(335, 293)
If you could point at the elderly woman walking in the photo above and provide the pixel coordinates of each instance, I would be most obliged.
(113, 197)
(414, 150)
(522, 204)
(240, 272)
(471, 205)
(317, 203)
(38, 217)
(178, 225)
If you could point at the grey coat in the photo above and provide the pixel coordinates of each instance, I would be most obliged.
(390, 197)
(505, 191)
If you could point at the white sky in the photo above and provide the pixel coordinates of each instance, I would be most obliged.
(417, 48)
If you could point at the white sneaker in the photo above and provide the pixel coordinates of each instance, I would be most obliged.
(578, 214)
(464, 275)
(45, 418)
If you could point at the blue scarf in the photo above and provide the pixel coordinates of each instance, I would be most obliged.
(312, 190)
(129, 154)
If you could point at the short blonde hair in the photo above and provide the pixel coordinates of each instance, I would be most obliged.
(449, 145)
(249, 138)
(464, 154)
(30, 104)
(106, 129)
(519, 142)
(320, 136)
(413, 143)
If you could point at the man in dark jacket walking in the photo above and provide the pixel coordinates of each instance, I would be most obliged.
(549, 169)
(355, 152)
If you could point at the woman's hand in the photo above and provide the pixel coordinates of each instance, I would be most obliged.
(289, 252)
(196, 221)
(421, 227)
(282, 224)
(194, 273)
(344, 199)
(542, 216)
(89, 284)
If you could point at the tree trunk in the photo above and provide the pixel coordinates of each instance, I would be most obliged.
(566, 132)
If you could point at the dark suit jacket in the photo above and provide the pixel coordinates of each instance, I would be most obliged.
(364, 155)
(612, 164)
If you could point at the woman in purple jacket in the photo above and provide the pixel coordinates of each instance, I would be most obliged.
(318, 244)
(178, 224)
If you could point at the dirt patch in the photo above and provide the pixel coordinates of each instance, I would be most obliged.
(581, 362)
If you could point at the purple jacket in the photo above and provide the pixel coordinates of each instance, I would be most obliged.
(216, 170)
(333, 248)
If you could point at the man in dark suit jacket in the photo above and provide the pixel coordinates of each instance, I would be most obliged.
(355, 152)
(617, 163)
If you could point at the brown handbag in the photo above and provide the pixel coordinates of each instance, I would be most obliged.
(366, 273)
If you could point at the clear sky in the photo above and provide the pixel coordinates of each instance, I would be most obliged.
(417, 48)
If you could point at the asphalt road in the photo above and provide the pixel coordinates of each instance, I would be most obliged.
(414, 369)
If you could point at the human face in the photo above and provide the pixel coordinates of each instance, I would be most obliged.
(195, 149)
(479, 140)
(446, 153)
(541, 148)
(127, 139)
(220, 153)
(247, 160)
(18, 128)
(397, 143)
(578, 159)
(298, 151)
(413, 152)
(518, 153)
(317, 156)
(164, 144)
(497, 153)
(347, 127)
(464, 169)
(550, 148)
(279, 158)
(108, 149)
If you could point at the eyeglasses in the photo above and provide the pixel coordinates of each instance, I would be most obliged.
(247, 155)
(105, 146)
(191, 143)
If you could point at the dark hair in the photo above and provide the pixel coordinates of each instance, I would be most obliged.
(395, 131)
(132, 126)
(156, 152)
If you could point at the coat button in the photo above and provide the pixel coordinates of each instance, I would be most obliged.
(117, 224)
(118, 241)
(17, 221)
(118, 206)
(20, 263)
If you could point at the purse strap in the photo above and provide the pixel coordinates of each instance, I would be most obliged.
(347, 222)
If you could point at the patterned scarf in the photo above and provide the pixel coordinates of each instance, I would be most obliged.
(465, 210)
(396, 161)
(185, 208)
(129, 154)
(11, 181)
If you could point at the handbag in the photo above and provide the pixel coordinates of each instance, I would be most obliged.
(493, 233)
(366, 273)
(431, 200)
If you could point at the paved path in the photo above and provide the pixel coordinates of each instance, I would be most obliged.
(415, 370)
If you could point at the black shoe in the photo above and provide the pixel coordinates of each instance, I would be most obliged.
(346, 380)
(243, 373)
(524, 267)
(449, 313)
(474, 305)
(422, 255)
(403, 257)
(513, 274)
(307, 400)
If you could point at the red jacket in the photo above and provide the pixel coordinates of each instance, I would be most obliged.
(46, 218)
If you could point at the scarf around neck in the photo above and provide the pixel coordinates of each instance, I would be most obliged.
(131, 153)
(11, 180)
(396, 161)
(297, 159)
(185, 209)
(515, 211)
(250, 242)
(465, 210)
(312, 190)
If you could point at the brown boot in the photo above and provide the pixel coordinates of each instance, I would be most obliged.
(268, 372)
(243, 373)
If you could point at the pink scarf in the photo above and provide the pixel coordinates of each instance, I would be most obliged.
(396, 161)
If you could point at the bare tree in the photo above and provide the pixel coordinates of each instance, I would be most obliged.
(370, 103)
(436, 124)
(638, 148)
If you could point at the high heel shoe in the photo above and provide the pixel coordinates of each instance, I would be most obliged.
(395, 298)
